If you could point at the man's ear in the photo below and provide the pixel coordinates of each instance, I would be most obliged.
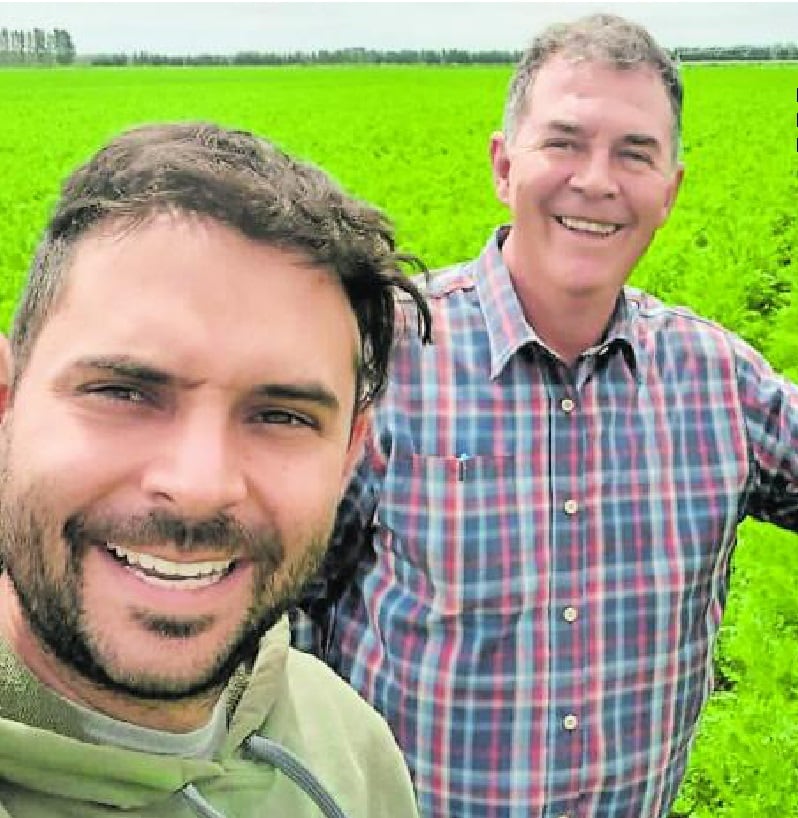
(672, 192)
(6, 375)
(500, 165)
(354, 452)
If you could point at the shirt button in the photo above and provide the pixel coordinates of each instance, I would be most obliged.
(570, 614)
(567, 405)
(570, 507)
(570, 722)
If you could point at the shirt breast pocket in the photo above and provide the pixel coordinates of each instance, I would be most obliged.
(460, 531)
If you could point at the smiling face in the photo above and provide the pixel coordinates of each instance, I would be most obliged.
(588, 176)
(173, 456)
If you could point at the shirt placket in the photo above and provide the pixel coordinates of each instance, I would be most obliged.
(567, 617)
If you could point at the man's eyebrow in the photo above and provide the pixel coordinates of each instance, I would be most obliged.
(125, 366)
(304, 392)
(563, 126)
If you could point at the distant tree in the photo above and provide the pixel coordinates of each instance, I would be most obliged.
(64, 47)
(17, 46)
(40, 53)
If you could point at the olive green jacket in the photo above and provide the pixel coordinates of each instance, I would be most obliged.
(317, 730)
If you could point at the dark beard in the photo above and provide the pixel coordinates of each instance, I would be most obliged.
(50, 594)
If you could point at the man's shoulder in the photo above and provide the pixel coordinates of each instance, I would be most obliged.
(341, 738)
(653, 319)
(326, 698)
(451, 295)
(677, 339)
(439, 284)
(456, 278)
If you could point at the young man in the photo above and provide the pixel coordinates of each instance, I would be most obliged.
(550, 494)
(182, 398)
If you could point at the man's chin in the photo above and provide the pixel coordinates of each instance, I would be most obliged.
(188, 667)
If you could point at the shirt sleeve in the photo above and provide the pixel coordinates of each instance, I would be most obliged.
(770, 410)
(350, 549)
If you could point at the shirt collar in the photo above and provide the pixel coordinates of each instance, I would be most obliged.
(507, 328)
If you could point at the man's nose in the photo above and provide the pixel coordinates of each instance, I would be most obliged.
(594, 175)
(198, 470)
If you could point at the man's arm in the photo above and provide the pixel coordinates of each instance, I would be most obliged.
(770, 407)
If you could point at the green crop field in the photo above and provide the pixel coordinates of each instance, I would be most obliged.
(414, 141)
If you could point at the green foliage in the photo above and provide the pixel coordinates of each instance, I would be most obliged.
(411, 140)
(414, 141)
(745, 761)
(729, 249)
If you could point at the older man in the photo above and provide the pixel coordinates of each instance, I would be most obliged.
(182, 399)
(543, 522)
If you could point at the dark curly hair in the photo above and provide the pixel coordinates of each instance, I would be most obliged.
(244, 182)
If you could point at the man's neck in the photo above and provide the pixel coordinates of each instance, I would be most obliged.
(568, 324)
(171, 716)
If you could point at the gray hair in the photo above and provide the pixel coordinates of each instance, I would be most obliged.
(601, 38)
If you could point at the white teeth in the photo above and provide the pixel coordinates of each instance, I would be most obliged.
(597, 228)
(182, 584)
(165, 570)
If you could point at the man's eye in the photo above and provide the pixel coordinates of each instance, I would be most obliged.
(559, 144)
(637, 156)
(116, 392)
(283, 417)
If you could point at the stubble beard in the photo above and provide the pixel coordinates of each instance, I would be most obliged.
(48, 583)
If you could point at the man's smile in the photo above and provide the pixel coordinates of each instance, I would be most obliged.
(588, 226)
(160, 571)
(174, 583)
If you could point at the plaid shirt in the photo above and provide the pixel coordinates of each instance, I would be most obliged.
(536, 610)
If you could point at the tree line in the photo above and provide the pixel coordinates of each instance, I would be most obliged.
(446, 56)
(342, 56)
(36, 46)
(754, 53)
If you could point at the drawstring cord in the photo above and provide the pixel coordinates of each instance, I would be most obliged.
(266, 750)
(201, 804)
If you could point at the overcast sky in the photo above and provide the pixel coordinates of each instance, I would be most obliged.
(191, 27)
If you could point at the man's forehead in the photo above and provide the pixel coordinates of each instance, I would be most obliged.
(564, 63)
(562, 82)
(180, 291)
(168, 237)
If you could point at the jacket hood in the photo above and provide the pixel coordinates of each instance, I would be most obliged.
(292, 724)
(41, 747)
